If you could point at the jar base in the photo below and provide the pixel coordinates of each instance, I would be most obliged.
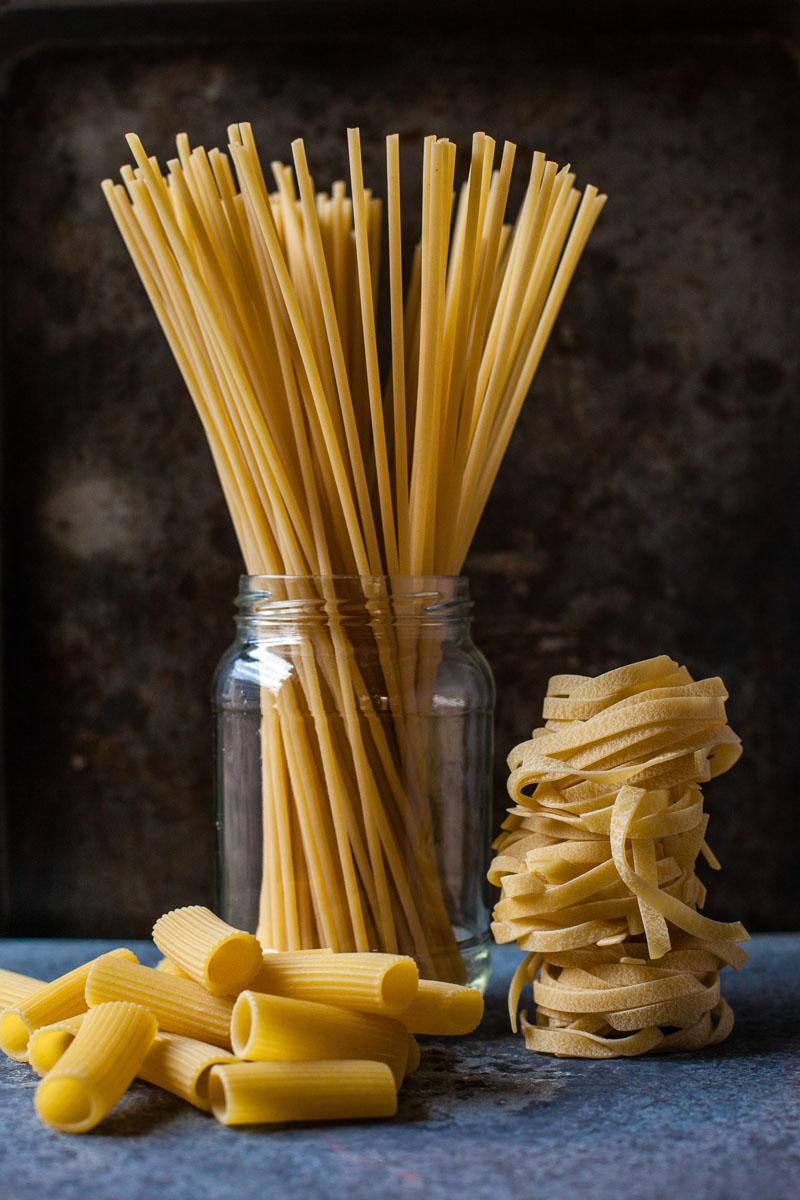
(476, 951)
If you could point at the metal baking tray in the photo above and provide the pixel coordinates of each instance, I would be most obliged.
(646, 504)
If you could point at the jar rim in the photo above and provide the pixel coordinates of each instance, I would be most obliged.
(452, 589)
(435, 597)
(245, 579)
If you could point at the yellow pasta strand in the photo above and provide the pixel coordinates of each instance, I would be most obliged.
(268, 1028)
(63, 997)
(213, 953)
(268, 304)
(444, 1009)
(269, 1092)
(97, 1068)
(15, 987)
(49, 1042)
(181, 1065)
(180, 1005)
(374, 983)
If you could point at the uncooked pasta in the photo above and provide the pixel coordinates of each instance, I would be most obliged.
(268, 300)
(596, 865)
(329, 1053)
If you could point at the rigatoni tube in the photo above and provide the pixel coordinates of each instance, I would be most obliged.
(268, 1028)
(181, 1065)
(15, 987)
(247, 1093)
(50, 1042)
(64, 997)
(180, 1005)
(223, 959)
(97, 1068)
(412, 1055)
(375, 983)
(170, 968)
(177, 1064)
(445, 1009)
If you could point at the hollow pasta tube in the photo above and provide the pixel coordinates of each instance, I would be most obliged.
(268, 1028)
(15, 987)
(170, 968)
(177, 1064)
(97, 1068)
(223, 959)
(63, 997)
(180, 1005)
(443, 1009)
(245, 1093)
(50, 1042)
(181, 1065)
(376, 983)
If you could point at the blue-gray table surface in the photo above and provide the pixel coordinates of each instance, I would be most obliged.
(481, 1118)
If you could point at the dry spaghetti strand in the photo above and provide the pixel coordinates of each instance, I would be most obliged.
(335, 464)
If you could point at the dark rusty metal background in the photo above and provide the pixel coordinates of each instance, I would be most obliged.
(648, 499)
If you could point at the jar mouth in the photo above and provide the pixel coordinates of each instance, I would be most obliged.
(397, 597)
(447, 588)
(398, 584)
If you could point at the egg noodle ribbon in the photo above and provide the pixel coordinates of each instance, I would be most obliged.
(596, 865)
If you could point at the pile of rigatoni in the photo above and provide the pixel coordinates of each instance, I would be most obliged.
(253, 1036)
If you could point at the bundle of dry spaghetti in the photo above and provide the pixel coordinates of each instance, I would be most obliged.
(596, 865)
(268, 301)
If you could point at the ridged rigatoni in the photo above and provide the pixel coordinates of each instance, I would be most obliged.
(170, 968)
(177, 1064)
(97, 1068)
(375, 983)
(15, 987)
(246, 1093)
(63, 997)
(445, 1009)
(223, 959)
(181, 1065)
(269, 1028)
(412, 1055)
(180, 1005)
(50, 1042)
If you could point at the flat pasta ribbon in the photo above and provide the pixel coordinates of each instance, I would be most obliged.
(596, 865)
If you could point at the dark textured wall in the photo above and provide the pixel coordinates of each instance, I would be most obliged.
(647, 503)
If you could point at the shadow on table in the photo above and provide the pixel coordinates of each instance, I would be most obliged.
(141, 1111)
(766, 1026)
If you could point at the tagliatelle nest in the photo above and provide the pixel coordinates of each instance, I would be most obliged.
(596, 865)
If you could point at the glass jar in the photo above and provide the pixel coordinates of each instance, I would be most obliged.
(353, 725)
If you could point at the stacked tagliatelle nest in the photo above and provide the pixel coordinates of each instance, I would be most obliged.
(596, 865)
